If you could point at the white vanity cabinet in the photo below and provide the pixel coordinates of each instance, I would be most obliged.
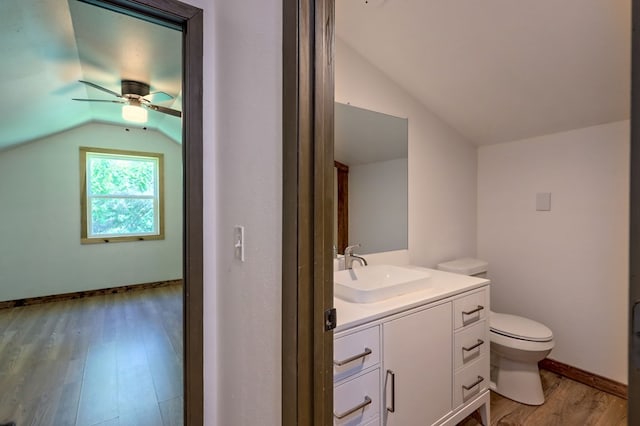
(471, 348)
(356, 374)
(417, 367)
(427, 364)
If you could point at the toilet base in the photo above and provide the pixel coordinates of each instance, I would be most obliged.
(519, 381)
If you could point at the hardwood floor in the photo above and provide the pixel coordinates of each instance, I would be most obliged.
(104, 360)
(567, 403)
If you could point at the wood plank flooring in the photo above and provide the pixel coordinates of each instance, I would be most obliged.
(567, 403)
(104, 360)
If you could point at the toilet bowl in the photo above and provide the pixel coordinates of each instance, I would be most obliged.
(517, 345)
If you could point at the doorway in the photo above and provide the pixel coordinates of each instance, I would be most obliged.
(182, 17)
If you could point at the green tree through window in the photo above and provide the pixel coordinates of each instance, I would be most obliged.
(121, 195)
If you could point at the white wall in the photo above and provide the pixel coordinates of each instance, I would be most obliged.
(378, 195)
(41, 252)
(442, 164)
(242, 186)
(567, 267)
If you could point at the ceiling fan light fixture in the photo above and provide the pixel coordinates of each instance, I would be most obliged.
(134, 113)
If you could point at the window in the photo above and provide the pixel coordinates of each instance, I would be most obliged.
(122, 196)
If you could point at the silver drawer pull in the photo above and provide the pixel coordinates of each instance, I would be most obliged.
(391, 409)
(470, 348)
(366, 352)
(360, 406)
(478, 309)
(474, 384)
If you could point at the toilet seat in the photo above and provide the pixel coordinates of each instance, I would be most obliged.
(520, 328)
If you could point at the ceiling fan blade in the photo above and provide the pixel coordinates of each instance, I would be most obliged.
(99, 100)
(104, 89)
(165, 110)
(158, 97)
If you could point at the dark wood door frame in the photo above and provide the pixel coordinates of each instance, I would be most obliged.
(307, 272)
(342, 202)
(189, 20)
(634, 223)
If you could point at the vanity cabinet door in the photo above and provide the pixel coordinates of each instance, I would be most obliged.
(417, 367)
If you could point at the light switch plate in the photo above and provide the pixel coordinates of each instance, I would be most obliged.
(238, 242)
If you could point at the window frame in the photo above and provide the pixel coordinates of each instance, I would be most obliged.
(84, 197)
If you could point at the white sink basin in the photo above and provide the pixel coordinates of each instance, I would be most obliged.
(378, 282)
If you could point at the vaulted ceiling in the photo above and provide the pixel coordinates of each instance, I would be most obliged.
(47, 46)
(495, 70)
(500, 70)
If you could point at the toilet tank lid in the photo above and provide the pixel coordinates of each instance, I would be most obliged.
(466, 266)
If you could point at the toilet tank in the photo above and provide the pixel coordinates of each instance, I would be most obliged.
(466, 266)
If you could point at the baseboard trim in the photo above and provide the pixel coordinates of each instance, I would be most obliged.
(585, 377)
(85, 293)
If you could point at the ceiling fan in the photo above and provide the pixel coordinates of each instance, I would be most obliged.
(134, 94)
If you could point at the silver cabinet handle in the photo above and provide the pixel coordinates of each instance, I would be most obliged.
(470, 348)
(366, 352)
(393, 391)
(360, 406)
(473, 311)
(474, 384)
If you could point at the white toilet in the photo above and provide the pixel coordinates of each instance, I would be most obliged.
(517, 344)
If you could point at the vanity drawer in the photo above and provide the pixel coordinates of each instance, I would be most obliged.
(356, 352)
(470, 309)
(470, 344)
(357, 401)
(471, 381)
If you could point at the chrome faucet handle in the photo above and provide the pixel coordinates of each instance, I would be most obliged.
(349, 249)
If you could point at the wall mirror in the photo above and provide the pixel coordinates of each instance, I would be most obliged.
(371, 180)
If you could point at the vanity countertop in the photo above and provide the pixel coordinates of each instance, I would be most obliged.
(443, 285)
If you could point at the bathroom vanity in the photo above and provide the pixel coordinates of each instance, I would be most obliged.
(419, 358)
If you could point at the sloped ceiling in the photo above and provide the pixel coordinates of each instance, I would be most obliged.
(48, 45)
(500, 70)
(495, 70)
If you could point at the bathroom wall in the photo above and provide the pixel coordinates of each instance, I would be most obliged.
(378, 194)
(41, 252)
(566, 267)
(442, 164)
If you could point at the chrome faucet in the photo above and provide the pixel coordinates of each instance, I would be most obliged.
(349, 257)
